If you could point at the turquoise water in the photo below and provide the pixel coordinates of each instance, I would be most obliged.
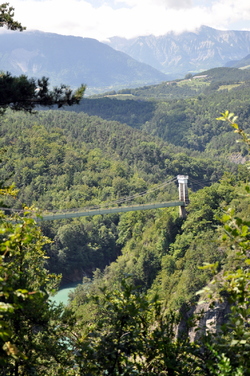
(62, 295)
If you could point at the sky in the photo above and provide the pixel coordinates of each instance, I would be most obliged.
(102, 19)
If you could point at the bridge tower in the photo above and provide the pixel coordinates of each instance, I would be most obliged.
(183, 193)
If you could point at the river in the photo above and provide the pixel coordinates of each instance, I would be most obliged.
(62, 295)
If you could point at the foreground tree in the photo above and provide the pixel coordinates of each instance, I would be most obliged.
(23, 93)
(229, 347)
(6, 18)
(129, 334)
(32, 328)
(33, 332)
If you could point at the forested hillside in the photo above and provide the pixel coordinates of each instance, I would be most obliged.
(137, 267)
(149, 261)
(184, 112)
(64, 160)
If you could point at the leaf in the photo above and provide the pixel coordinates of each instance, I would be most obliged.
(234, 125)
(5, 307)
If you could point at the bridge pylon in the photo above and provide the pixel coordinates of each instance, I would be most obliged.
(183, 194)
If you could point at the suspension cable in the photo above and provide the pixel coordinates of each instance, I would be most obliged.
(107, 204)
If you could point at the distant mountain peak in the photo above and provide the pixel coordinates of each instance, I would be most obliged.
(191, 51)
(73, 61)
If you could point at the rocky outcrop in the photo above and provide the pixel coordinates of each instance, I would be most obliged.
(205, 319)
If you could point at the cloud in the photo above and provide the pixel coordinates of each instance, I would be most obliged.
(102, 19)
(174, 4)
(168, 4)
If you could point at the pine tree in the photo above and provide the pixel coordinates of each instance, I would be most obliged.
(23, 93)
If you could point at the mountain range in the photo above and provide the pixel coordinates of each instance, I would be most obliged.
(178, 54)
(243, 63)
(72, 60)
(121, 63)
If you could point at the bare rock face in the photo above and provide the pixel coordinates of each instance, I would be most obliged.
(211, 319)
(207, 320)
(238, 158)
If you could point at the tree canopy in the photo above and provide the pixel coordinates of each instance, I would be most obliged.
(23, 93)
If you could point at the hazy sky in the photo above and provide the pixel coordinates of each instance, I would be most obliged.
(102, 19)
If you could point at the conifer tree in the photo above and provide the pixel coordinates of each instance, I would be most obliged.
(23, 93)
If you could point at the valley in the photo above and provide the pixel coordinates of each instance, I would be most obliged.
(60, 160)
(144, 273)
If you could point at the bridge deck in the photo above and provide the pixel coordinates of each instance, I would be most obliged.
(109, 210)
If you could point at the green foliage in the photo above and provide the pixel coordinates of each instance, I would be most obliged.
(145, 237)
(23, 93)
(6, 18)
(130, 336)
(195, 243)
(131, 112)
(61, 160)
(224, 352)
(183, 112)
(223, 366)
(31, 329)
(230, 118)
(225, 74)
(230, 344)
(231, 285)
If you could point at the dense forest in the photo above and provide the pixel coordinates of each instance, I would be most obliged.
(63, 160)
(151, 280)
(183, 112)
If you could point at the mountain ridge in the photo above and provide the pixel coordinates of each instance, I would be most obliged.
(75, 60)
(72, 60)
(178, 54)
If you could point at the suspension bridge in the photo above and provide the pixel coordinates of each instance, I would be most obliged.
(110, 208)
